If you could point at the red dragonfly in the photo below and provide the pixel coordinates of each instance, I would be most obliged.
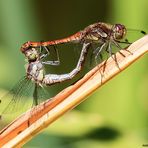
(102, 34)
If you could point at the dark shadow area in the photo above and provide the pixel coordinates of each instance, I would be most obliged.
(55, 141)
(105, 134)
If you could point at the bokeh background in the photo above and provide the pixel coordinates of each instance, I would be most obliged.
(116, 115)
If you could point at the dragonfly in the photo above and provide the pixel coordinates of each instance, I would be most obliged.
(37, 78)
(36, 73)
(103, 35)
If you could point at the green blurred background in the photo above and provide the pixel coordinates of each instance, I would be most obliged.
(115, 116)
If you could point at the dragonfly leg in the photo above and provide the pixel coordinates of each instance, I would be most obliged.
(45, 54)
(124, 42)
(57, 55)
(98, 53)
(53, 62)
(112, 54)
(117, 45)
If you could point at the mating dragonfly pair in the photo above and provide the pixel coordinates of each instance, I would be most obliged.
(103, 35)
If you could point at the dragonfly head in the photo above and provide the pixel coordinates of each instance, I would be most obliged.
(31, 54)
(25, 47)
(119, 31)
(35, 71)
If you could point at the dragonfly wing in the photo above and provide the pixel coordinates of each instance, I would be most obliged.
(40, 94)
(16, 100)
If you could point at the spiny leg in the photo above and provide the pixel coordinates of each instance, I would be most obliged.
(91, 56)
(99, 52)
(45, 54)
(101, 57)
(109, 49)
(57, 54)
(126, 42)
(54, 63)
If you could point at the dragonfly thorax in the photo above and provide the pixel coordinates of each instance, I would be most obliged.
(102, 32)
(35, 71)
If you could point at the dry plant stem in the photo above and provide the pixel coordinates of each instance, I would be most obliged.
(29, 124)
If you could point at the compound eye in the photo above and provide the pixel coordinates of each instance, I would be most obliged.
(119, 31)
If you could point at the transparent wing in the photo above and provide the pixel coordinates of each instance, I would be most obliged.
(16, 100)
(40, 94)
